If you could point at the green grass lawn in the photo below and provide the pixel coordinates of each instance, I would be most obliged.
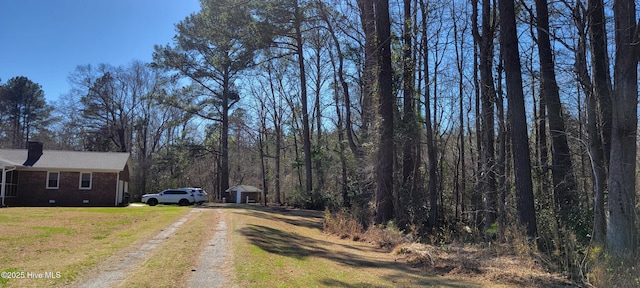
(267, 248)
(59, 244)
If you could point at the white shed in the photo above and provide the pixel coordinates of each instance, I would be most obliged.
(244, 194)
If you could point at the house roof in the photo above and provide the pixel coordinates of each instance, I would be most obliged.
(8, 163)
(66, 160)
(244, 188)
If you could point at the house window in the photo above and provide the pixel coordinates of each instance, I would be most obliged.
(11, 188)
(53, 180)
(85, 181)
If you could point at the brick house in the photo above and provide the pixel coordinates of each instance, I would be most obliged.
(37, 177)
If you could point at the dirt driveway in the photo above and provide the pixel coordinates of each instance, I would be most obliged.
(208, 271)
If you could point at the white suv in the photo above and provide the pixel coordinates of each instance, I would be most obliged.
(180, 196)
(200, 195)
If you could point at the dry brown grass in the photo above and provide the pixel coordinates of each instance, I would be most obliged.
(347, 226)
(480, 264)
(342, 224)
(602, 271)
(385, 237)
(72, 241)
(514, 261)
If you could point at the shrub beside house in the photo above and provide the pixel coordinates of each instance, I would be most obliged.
(38, 177)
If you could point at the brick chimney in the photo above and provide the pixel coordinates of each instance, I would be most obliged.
(34, 151)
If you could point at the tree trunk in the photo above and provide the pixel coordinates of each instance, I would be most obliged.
(601, 71)
(476, 196)
(318, 166)
(408, 196)
(367, 16)
(460, 181)
(278, 153)
(277, 127)
(306, 138)
(515, 96)
(296, 129)
(431, 149)
(542, 149)
(621, 232)
(263, 167)
(598, 96)
(564, 182)
(367, 99)
(432, 157)
(224, 138)
(346, 200)
(386, 149)
(488, 95)
(502, 155)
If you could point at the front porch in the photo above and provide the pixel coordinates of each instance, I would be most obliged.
(8, 182)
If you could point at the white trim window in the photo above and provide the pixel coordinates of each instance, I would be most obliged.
(53, 180)
(11, 186)
(85, 180)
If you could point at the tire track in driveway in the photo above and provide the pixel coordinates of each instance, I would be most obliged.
(114, 275)
(209, 272)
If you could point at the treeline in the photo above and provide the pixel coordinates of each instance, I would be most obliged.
(433, 115)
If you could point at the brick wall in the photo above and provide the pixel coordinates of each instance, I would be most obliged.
(32, 190)
(124, 174)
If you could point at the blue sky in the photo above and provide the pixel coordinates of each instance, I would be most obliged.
(44, 40)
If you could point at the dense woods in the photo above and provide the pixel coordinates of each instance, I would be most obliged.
(434, 117)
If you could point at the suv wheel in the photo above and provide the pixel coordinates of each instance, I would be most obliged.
(152, 202)
(183, 202)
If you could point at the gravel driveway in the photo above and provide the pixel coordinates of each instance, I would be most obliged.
(208, 272)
